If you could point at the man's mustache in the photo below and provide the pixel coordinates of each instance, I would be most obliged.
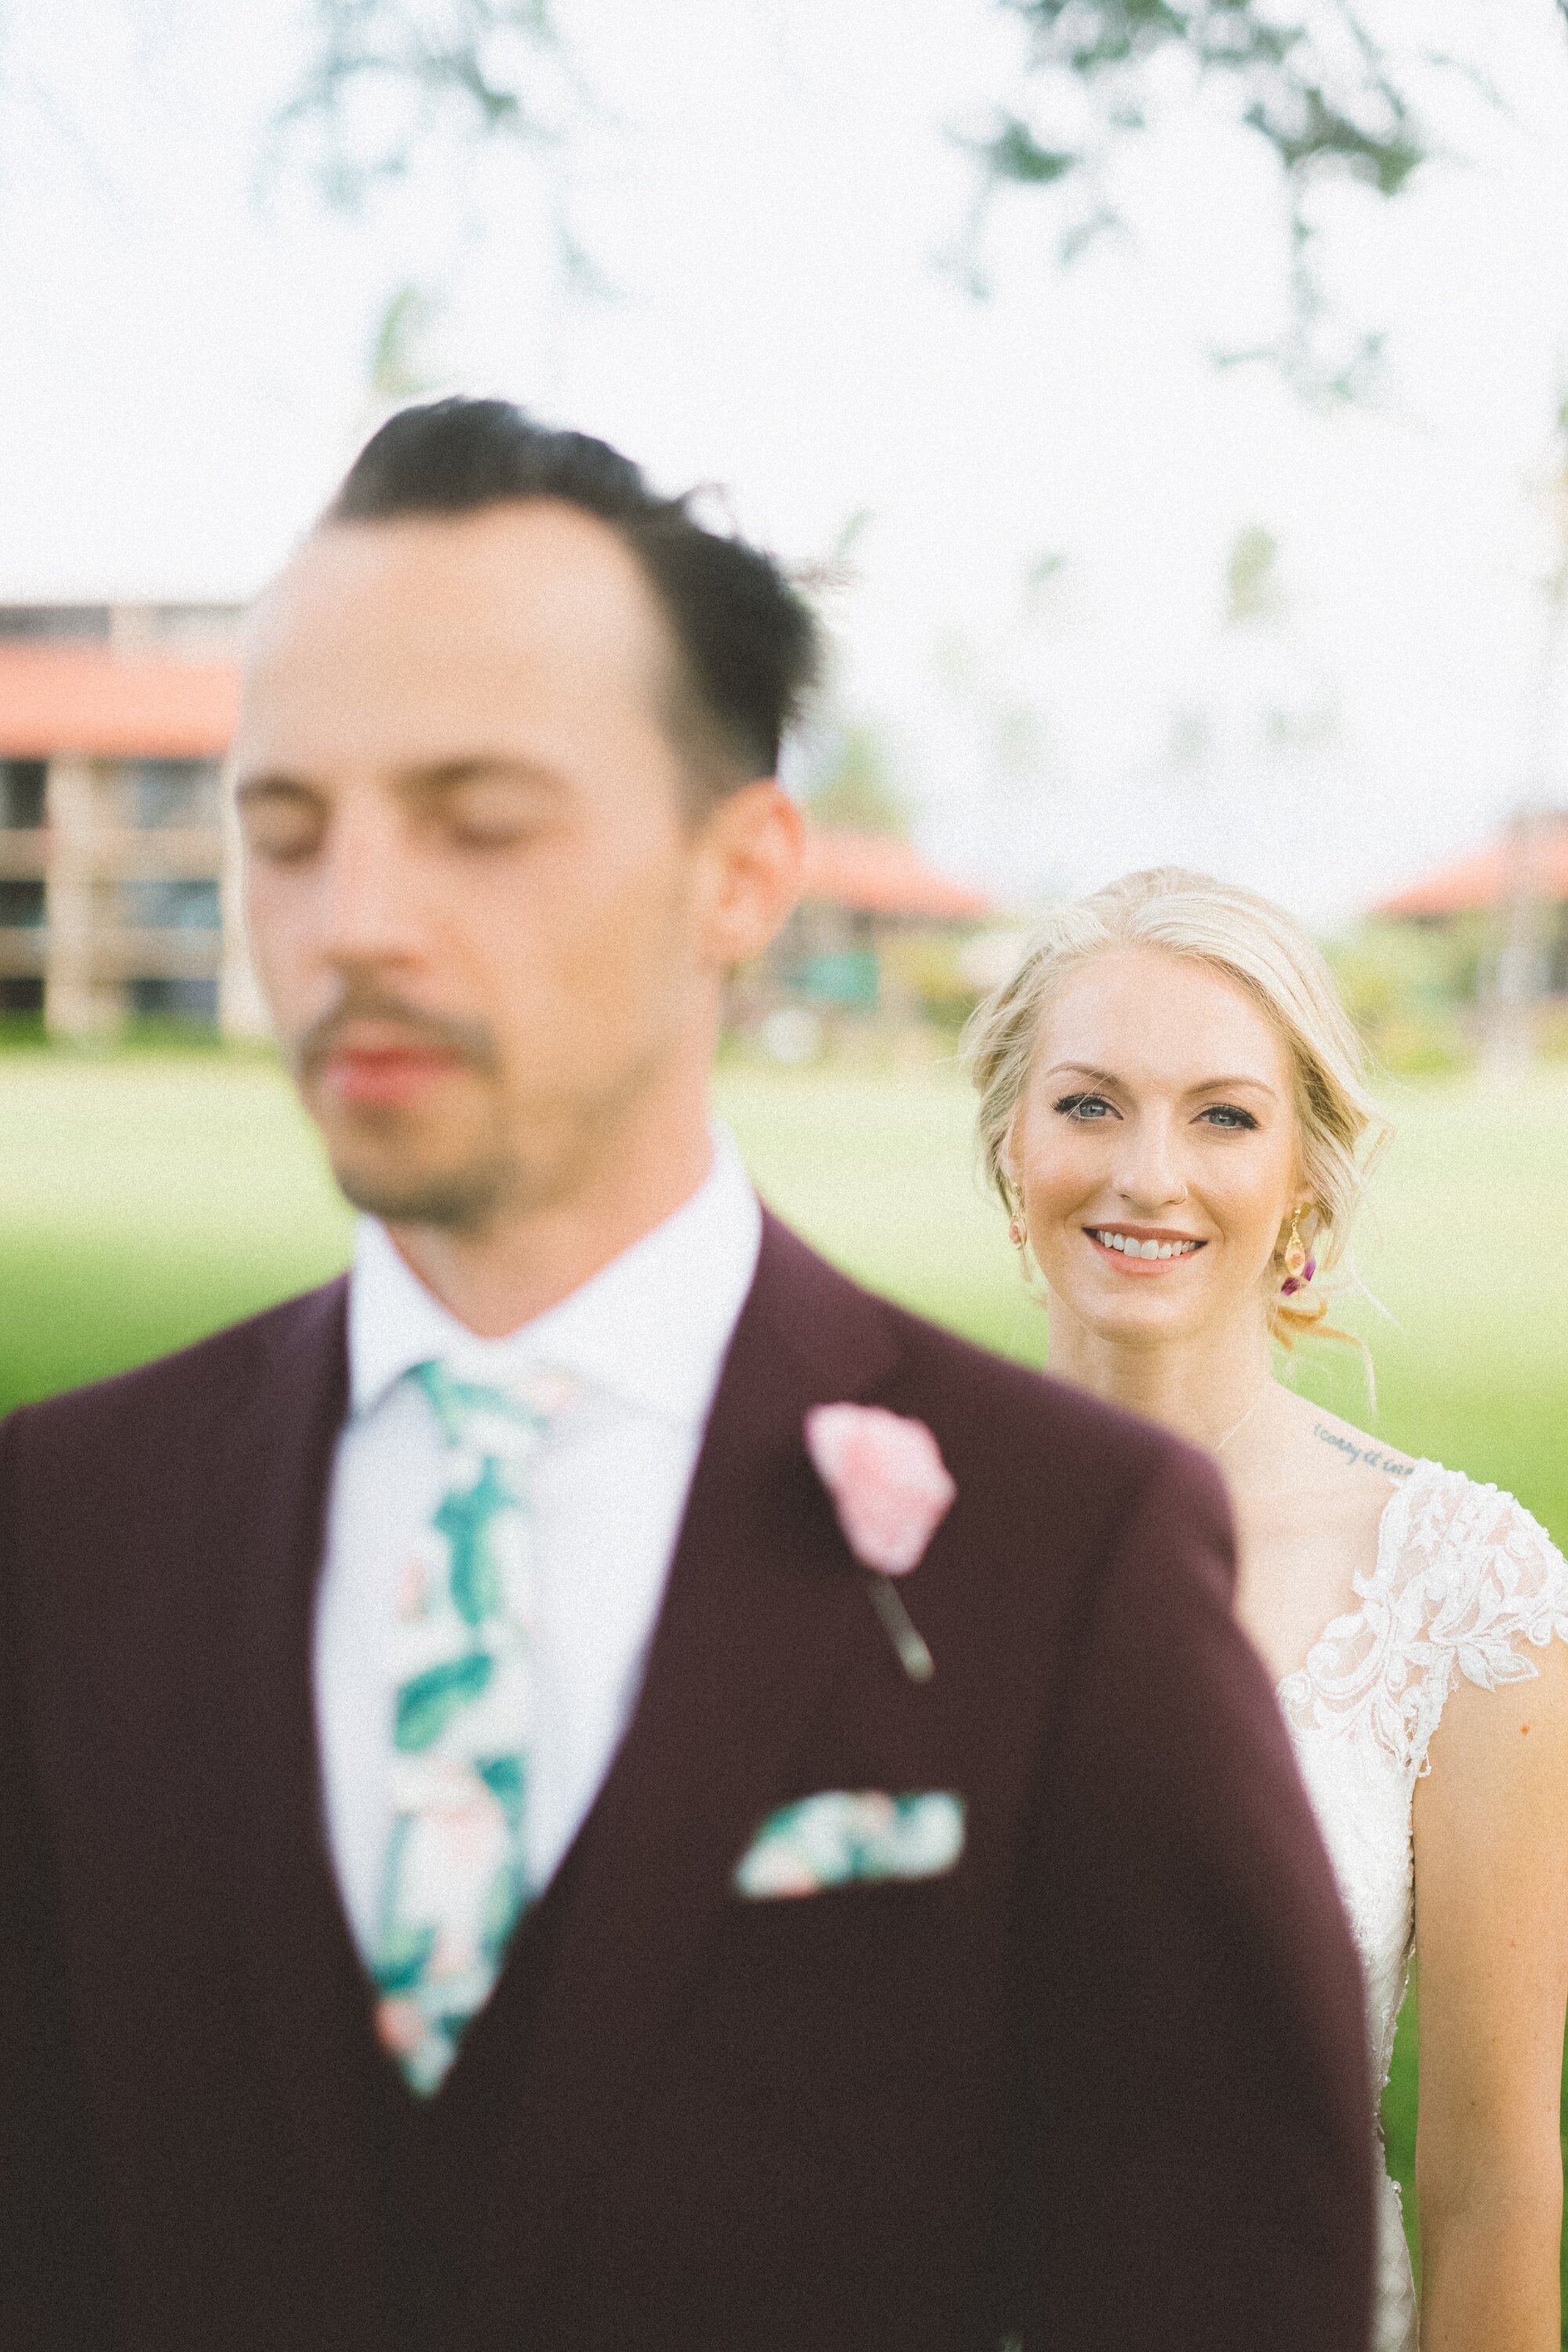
(469, 1042)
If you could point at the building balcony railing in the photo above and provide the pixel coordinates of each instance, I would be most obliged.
(166, 953)
(150, 853)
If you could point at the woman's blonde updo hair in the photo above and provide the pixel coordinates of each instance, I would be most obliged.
(1248, 940)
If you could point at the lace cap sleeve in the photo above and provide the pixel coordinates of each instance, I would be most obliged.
(1466, 1583)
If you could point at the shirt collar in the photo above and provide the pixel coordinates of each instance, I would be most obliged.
(650, 1328)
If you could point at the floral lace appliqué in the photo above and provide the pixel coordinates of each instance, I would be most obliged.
(1464, 1579)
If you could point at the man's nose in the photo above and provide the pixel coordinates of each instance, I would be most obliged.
(368, 902)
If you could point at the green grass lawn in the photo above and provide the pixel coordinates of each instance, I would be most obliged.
(145, 1199)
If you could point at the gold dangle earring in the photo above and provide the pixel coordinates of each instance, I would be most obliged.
(1300, 1266)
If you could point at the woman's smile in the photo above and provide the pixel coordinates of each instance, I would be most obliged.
(1142, 1249)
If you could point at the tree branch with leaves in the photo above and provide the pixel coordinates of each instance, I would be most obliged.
(387, 78)
(1311, 81)
(1311, 84)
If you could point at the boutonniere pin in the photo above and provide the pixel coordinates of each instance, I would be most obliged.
(890, 1487)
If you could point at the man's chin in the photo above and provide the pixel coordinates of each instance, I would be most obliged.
(463, 1200)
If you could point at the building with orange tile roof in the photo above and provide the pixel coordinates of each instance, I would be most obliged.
(872, 911)
(1483, 880)
(1516, 886)
(876, 874)
(116, 865)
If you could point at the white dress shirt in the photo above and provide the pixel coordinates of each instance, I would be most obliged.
(645, 1339)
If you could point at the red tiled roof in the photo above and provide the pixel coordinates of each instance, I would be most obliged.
(1485, 879)
(84, 698)
(878, 875)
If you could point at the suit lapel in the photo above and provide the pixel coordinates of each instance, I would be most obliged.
(742, 1664)
(306, 1990)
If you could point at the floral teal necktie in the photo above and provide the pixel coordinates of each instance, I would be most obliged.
(456, 1878)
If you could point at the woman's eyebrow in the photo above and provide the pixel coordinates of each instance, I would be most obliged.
(1230, 1085)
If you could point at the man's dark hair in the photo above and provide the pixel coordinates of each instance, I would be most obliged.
(747, 640)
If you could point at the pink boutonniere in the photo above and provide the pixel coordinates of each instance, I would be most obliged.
(891, 1488)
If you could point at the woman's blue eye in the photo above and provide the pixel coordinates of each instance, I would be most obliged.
(1227, 1115)
(1084, 1107)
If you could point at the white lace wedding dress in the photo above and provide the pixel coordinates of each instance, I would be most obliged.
(1464, 1583)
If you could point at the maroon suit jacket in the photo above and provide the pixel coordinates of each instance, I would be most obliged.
(1103, 2086)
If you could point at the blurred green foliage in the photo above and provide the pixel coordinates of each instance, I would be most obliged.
(1313, 84)
(925, 970)
(855, 790)
(1409, 988)
(383, 78)
(1252, 586)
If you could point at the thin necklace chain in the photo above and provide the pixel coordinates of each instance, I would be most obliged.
(1238, 1426)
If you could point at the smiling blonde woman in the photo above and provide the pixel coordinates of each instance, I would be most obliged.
(1175, 1114)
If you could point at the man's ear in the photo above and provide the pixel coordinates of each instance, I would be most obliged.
(754, 848)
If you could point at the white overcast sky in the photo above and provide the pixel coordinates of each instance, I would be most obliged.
(767, 188)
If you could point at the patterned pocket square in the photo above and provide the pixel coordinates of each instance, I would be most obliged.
(846, 1836)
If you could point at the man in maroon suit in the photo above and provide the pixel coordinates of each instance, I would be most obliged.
(487, 1858)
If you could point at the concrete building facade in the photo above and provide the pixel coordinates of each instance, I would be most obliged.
(119, 864)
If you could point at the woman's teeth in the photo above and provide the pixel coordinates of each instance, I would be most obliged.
(1131, 1248)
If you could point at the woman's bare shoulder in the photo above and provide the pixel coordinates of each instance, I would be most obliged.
(1340, 1451)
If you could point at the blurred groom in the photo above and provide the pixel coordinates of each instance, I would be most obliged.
(516, 1829)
